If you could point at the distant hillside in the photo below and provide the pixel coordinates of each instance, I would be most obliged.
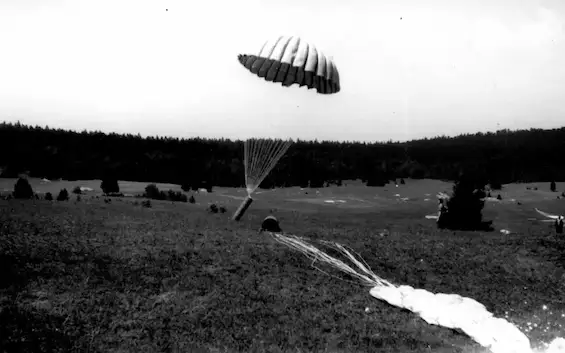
(501, 157)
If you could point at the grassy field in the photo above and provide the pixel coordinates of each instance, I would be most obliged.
(91, 276)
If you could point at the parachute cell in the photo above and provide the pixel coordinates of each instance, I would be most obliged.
(290, 60)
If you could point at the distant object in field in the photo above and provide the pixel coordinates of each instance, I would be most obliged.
(384, 233)
(335, 201)
(270, 224)
(45, 181)
(85, 189)
(212, 208)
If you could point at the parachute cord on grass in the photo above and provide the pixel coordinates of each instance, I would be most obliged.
(369, 278)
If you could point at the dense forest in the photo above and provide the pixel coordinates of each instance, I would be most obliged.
(501, 157)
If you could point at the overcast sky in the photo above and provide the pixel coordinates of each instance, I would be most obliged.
(409, 69)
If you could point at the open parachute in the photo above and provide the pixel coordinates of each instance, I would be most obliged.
(290, 61)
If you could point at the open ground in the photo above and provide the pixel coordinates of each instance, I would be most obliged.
(92, 276)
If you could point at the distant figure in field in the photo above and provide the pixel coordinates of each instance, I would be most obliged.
(559, 225)
(442, 210)
(270, 224)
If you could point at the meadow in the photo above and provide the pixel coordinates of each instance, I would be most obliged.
(92, 276)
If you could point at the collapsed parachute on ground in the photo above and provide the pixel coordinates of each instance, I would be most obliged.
(290, 60)
(443, 309)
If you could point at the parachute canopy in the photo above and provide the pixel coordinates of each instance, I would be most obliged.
(290, 60)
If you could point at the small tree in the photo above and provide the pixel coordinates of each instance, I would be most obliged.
(77, 190)
(109, 185)
(402, 182)
(177, 196)
(552, 186)
(152, 192)
(22, 189)
(191, 199)
(49, 196)
(464, 208)
(63, 195)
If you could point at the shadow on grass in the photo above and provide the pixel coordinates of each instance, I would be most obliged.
(483, 226)
(31, 331)
(21, 266)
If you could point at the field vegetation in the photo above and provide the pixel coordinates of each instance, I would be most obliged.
(93, 275)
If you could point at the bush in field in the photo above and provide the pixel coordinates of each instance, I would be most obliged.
(63, 195)
(152, 192)
(49, 196)
(552, 186)
(115, 194)
(146, 203)
(177, 196)
(191, 199)
(213, 208)
(77, 190)
(22, 189)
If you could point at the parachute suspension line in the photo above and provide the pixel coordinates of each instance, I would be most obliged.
(260, 157)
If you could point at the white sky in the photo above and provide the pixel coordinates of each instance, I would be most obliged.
(446, 67)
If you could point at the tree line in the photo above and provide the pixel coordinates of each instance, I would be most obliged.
(498, 157)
